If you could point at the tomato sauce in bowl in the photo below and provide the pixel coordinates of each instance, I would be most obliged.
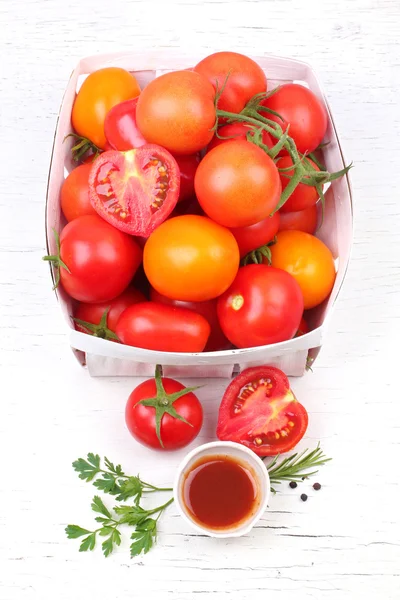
(222, 489)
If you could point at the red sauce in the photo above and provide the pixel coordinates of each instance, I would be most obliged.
(220, 492)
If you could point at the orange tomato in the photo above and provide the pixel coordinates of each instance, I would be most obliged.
(309, 261)
(191, 258)
(100, 91)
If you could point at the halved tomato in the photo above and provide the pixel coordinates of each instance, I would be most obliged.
(260, 411)
(136, 190)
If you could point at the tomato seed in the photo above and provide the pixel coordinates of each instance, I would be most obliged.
(304, 497)
(293, 485)
(317, 486)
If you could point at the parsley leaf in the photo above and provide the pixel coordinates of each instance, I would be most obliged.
(88, 543)
(107, 484)
(131, 514)
(131, 488)
(87, 469)
(143, 541)
(74, 531)
(98, 506)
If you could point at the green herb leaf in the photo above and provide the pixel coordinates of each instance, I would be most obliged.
(74, 531)
(132, 515)
(107, 546)
(147, 525)
(107, 483)
(88, 543)
(89, 468)
(130, 488)
(98, 506)
(144, 540)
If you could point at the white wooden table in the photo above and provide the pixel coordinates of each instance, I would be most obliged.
(344, 542)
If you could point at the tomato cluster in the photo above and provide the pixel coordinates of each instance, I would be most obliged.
(181, 186)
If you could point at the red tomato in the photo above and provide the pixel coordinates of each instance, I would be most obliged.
(101, 319)
(188, 166)
(252, 237)
(208, 308)
(120, 126)
(241, 77)
(260, 411)
(177, 111)
(156, 326)
(161, 419)
(237, 184)
(237, 131)
(263, 306)
(136, 190)
(303, 328)
(187, 207)
(75, 201)
(100, 91)
(191, 258)
(101, 260)
(303, 111)
(303, 220)
(304, 195)
(309, 261)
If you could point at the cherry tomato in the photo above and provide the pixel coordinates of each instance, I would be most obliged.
(208, 308)
(120, 126)
(100, 91)
(156, 326)
(135, 190)
(239, 76)
(260, 411)
(187, 165)
(75, 201)
(303, 328)
(191, 258)
(160, 419)
(263, 306)
(303, 111)
(237, 131)
(101, 319)
(177, 111)
(304, 195)
(237, 184)
(252, 237)
(309, 261)
(302, 220)
(101, 260)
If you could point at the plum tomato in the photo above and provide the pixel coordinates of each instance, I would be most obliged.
(120, 126)
(262, 306)
(237, 131)
(96, 261)
(240, 77)
(156, 326)
(302, 220)
(136, 190)
(100, 320)
(187, 166)
(252, 237)
(260, 411)
(191, 258)
(304, 195)
(237, 184)
(176, 111)
(100, 91)
(303, 111)
(208, 308)
(162, 414)
(74, 196)
(309, 261)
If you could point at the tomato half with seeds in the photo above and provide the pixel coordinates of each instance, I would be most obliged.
(260, 411)
(120, 127)
(237, 131)
(136, 190)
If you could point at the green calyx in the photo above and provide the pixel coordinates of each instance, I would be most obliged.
(100, 330)
(82, 146)
(259, 255)
(163, 403)
(55, 260)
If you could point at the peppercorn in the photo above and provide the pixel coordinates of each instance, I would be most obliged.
(317, 486)
(304, 497)
(293, 485)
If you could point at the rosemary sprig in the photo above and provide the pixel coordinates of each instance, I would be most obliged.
(296, 467)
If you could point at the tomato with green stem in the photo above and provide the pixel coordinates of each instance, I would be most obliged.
(236, 77)
(100, 320)
(136, 190)
(304, 195)
(161, 413)
(260, 411)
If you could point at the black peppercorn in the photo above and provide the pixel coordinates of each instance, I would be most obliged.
(293, 485)
(317, 486)
(304, 497)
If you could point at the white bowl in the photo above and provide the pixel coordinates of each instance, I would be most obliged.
(246, 457)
